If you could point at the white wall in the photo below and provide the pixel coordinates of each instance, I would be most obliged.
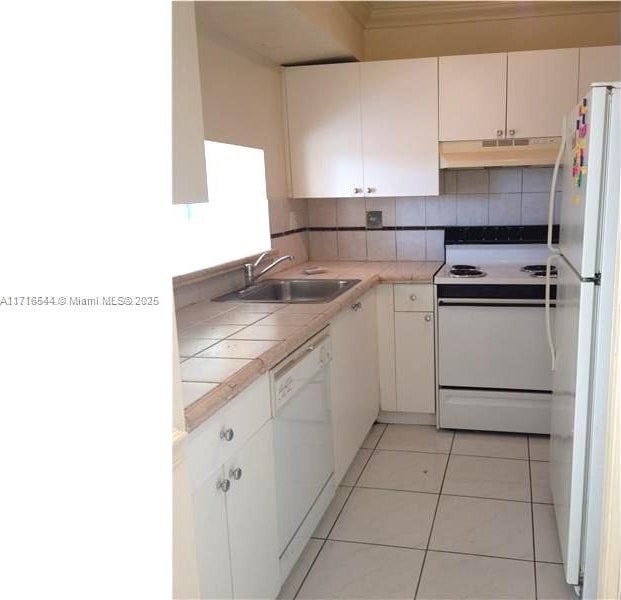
(243, 104)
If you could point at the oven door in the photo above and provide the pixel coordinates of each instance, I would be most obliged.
(498, 345)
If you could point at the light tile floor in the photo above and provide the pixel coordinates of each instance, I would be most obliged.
(427, 514)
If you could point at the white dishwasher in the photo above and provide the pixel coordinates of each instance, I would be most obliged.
(303, 447)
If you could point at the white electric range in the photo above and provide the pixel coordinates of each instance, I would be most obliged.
(493, 358)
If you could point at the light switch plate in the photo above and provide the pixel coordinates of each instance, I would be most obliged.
(374, 219)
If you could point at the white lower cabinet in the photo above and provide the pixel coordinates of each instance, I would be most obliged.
(354, 379)
(234, 500)
(414, 360)
(251, 512)
(407, 348)
(212, 539)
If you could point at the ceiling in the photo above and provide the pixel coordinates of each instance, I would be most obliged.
(374, 15)
(276, 31)
(285, 33)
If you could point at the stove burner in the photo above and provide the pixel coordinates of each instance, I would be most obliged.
(542, 274)
(539, 271)
(466, 273)
(535, 268)
(459, 267)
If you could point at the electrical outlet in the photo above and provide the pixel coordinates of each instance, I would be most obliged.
(374, 219)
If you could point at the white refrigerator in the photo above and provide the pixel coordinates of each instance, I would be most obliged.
(579, 326)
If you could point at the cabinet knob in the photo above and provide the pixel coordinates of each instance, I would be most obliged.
(427, 318)
(413, 297)
(224, 485)
(499, 132)
(511, 132)
(356, 306)
(357, 190)
(235, 473)
(227, 435)
(370, 190)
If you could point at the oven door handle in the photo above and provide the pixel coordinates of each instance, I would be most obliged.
(494, 304)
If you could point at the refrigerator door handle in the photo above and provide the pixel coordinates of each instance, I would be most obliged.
(547, 305)
(557, 164)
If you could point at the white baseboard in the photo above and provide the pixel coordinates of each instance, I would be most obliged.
(402, 418)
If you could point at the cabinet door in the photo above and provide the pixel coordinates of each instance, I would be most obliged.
(212, 540)
(473, 92)
(600, 63)
(386, 346)
(323, 112)
(188, 138)
(541, 89)
(251, 510)
(414, 350)
(354, 378)
(400, 127)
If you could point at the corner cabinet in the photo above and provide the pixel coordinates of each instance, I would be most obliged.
(354, 378)
(363, 129)
(407, 348)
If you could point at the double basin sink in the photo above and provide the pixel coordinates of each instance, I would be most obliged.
(291, 291)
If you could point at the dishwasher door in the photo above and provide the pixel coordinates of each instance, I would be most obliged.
(303, 444)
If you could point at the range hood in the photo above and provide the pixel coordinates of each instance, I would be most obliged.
(499, 153)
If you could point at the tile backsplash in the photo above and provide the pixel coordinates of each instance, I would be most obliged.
(413, 227)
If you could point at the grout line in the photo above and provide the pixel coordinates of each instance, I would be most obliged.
(526, 560)
(323, 543)
(532, 517)
(458, 454)
(384, 489)
(433, 520)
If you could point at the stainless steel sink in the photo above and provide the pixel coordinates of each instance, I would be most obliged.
(291, 290)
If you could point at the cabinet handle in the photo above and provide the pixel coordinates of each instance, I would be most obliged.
(235, 474)
(224, 485)
(427, 318)
(370, 190)
(227, 435)
(499, 132)
(413, 297)
(512, 132)
(356, 306)
(357, 190)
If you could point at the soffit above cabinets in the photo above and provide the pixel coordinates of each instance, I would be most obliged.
(279, 32)
(376, 15)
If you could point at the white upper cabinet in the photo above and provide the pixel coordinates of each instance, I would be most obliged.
(541, 89)
(400, 127)
(472, 96)
(363, 129)
(323, 106)
(600, 63)
(188, 135)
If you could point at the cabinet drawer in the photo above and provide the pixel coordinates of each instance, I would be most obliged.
(244, 416)
(413, 297)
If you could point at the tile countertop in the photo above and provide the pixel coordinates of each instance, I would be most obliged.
(225, 346)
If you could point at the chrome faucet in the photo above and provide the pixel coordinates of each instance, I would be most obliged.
(250, 274)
